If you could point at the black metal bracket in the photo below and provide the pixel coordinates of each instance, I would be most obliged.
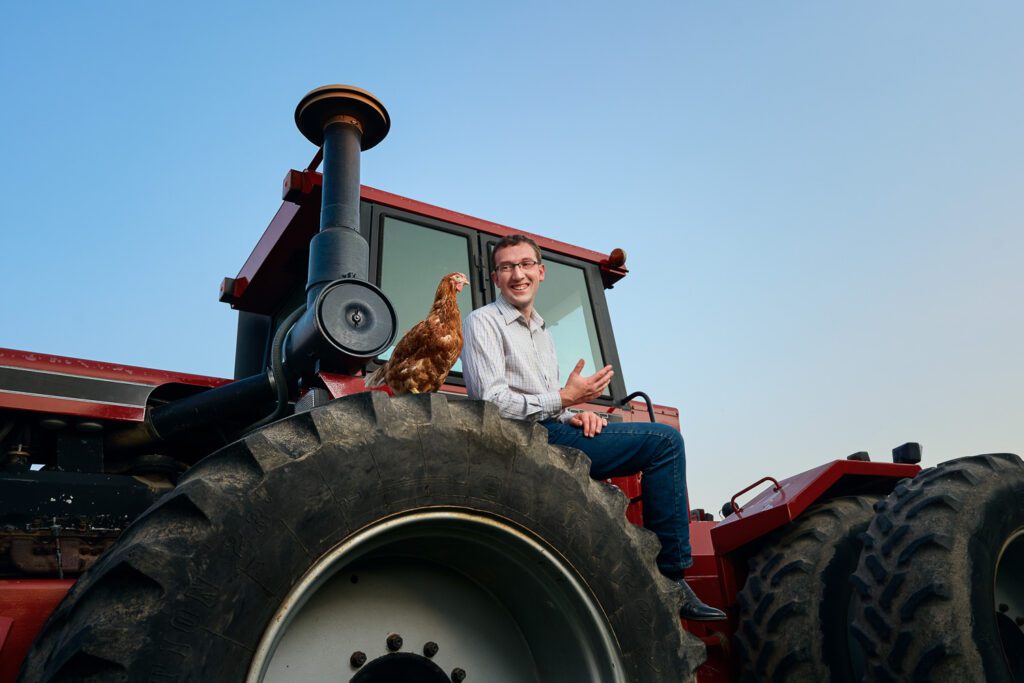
(639, 394)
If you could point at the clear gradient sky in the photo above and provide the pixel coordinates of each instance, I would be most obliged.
(822, 202)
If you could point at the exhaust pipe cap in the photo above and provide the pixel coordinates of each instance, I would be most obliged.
(327, 102)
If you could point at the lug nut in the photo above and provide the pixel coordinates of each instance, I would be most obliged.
(394, 642)
(357, 659)
(458, 675)
(430, 649)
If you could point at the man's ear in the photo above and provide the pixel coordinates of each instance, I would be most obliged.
(494, 277)
(540, 272)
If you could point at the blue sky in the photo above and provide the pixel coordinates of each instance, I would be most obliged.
(822, 202)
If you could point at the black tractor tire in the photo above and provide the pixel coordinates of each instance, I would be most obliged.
(794, 606)
(940, 583)
(336, 498)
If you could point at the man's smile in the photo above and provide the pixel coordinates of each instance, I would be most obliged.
(518, 283)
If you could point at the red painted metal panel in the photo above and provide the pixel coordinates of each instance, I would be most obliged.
(91, 368)
(282, 236)
(257, 287)
(345, 385)
(117, 375)
(60, 406)
(771, 509)
(438, 213)
(304, 186)
(27, 604)
(719, 667)
(703, 550)
(630, 486)
(704, 578)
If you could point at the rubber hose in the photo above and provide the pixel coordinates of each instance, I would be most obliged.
(277, 368)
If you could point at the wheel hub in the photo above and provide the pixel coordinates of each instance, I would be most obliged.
(489, 601)
(401, 667)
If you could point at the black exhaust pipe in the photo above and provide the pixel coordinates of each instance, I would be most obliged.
(347, 320)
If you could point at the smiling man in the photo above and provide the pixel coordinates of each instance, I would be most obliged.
(508, 358)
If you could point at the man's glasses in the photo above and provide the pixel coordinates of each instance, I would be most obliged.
(527, 265)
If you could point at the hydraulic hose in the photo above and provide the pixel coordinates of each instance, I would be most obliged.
(277, 368)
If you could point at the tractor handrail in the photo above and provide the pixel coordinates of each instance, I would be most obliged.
(732, 501)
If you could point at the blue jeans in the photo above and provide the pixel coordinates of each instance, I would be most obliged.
(622, 449)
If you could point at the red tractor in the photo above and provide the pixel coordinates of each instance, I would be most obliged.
(288, 525)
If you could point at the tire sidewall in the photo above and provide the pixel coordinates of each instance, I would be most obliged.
(1000, 515)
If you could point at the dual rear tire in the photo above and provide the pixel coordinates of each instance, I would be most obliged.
(795, 605)
(925, 585)
(940, 584)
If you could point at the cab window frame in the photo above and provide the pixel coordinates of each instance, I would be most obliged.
(379, 213)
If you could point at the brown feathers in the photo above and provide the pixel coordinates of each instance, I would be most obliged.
(426, 353)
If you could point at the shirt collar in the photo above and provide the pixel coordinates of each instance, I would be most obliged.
(510, 313)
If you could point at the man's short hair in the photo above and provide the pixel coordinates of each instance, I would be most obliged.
(511, 241)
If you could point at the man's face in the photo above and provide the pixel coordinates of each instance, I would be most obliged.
(518, 286)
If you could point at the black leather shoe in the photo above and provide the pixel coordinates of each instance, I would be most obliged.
(695, 610)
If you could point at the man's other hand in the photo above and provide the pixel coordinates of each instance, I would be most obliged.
(590, 423)
(579, 389)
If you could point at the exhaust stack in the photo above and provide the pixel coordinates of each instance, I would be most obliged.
(347, 321)
(344, 121)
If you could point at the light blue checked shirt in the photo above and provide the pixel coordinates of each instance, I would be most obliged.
(511, 362)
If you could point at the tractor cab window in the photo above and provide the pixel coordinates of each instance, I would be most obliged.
(413, 260)
(564, 303)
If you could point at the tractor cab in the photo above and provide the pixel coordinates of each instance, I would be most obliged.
(411, 245)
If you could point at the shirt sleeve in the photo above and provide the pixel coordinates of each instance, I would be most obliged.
(486, 376)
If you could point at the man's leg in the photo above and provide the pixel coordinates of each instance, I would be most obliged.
(657, 450)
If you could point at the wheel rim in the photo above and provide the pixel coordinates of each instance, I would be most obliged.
(1009, 601)
(488, 597)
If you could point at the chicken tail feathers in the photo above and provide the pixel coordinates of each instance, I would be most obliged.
(375, 378)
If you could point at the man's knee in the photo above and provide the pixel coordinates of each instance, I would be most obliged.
(670, 434)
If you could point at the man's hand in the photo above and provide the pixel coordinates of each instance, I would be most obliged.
(580, 389)
(590, 423)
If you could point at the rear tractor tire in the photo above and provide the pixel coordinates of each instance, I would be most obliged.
(377, 539)
(940, 585)
(794, 607)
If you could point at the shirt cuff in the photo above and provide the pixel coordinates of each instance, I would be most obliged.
(550, 403)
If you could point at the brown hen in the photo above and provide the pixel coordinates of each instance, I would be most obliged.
(426, 353)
